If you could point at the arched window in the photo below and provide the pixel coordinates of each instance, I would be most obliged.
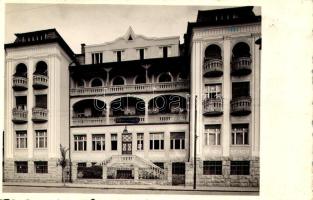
(21, 70)
(41, 68)
(213, 52)
(96, 83)
(81, 83)
(165, 77)
(241, 49)
(118, 81)
(140, 79)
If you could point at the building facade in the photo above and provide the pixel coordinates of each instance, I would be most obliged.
(138, 110)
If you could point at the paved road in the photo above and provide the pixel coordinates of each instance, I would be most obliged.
(31, 189)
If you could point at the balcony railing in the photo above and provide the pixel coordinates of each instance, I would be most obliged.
(19, 83)
(19, 115)
(241, 106)
(40, 81)
(212, 107)
(212, 67)
(241, 66)
(160, 118)
(40, 114)
(137, 88)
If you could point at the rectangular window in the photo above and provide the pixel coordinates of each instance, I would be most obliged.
(213, 91)
(41, 101)
(165, 52)
(212, 167)
(41, 167)
(156, 141)
(212, 134)
(239, 167)
(240, 89)
(140, 141)
(97, 58)
(21, 139)
(177, 140)
(98, 142)
(21, 102)
(113, 142)
(80, 142)
(159, 164)
(240, 134)
(41, 139)
(21, 166)
(141, 54)
(118, 56)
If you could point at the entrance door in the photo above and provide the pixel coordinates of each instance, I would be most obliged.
(127, 143)
(178, 173)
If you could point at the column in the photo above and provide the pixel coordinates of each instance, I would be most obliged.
(30, 104)
(146, 111)
(227, 84)
(104, 172)
(107, 115)
(136, 173)
(9, 102)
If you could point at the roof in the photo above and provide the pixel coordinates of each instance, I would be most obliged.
(40, 37)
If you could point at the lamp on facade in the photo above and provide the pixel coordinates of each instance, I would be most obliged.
(146, 67)
(125, 131)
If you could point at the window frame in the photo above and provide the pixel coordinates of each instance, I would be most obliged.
(212, 167)
(97, 57)
(95, 140)
(156, 141)
(214, 130)
(240, 129)
(140, 141)
(181, 141)
(42, 165)
(241, 167)
(78, 141)
(214, 91)
(21, 138)
(38, 137)
(24, 170)
(114, 141)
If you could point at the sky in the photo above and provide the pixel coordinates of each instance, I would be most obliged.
(93, 24)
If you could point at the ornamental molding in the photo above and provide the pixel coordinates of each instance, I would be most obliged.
(228, 31)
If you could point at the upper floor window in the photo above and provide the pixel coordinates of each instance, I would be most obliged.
(177, 140)
(213, 52)
(97, 58)
(240, 134)
(212, 135)
(113, 141)
(41, 68)
(21, 70)
(41, 101)
(165, 52)
(240, 89)
(80, 142)
(98, 142)
(80, 83)
(41, 139)
(140, 140)
(118, 56)
(96, 82)
(214, 91)
(141, 54)
(21, 102)
(165, 77)
(156, 141)
(21, 139)
(118, 81)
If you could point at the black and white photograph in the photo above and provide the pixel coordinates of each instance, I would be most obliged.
(132, 99)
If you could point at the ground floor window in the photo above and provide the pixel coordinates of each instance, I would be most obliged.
(21, 166)
(240, 134)
(41, 167)
(41, 139)
(177, 140)
(156, 141)
(239, 167)
(178, 168)
(21, 139)
(98, 142)
(159, 164)
(212, 167)
(80, 142)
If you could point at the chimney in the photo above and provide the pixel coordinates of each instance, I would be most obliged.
(83, 48)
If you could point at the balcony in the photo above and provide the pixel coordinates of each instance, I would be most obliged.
(241, 66)
(19, 83)
(40, 81)
(240, 106)
(19, 116)
(212, 67)
(136, 88)
(136, 119)
(213, 107)
(40, 114)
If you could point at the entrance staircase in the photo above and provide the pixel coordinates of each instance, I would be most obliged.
(135, 161)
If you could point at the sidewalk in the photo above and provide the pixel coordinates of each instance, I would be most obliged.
(133, 187)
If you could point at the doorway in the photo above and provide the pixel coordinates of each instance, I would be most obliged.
(127, 143)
